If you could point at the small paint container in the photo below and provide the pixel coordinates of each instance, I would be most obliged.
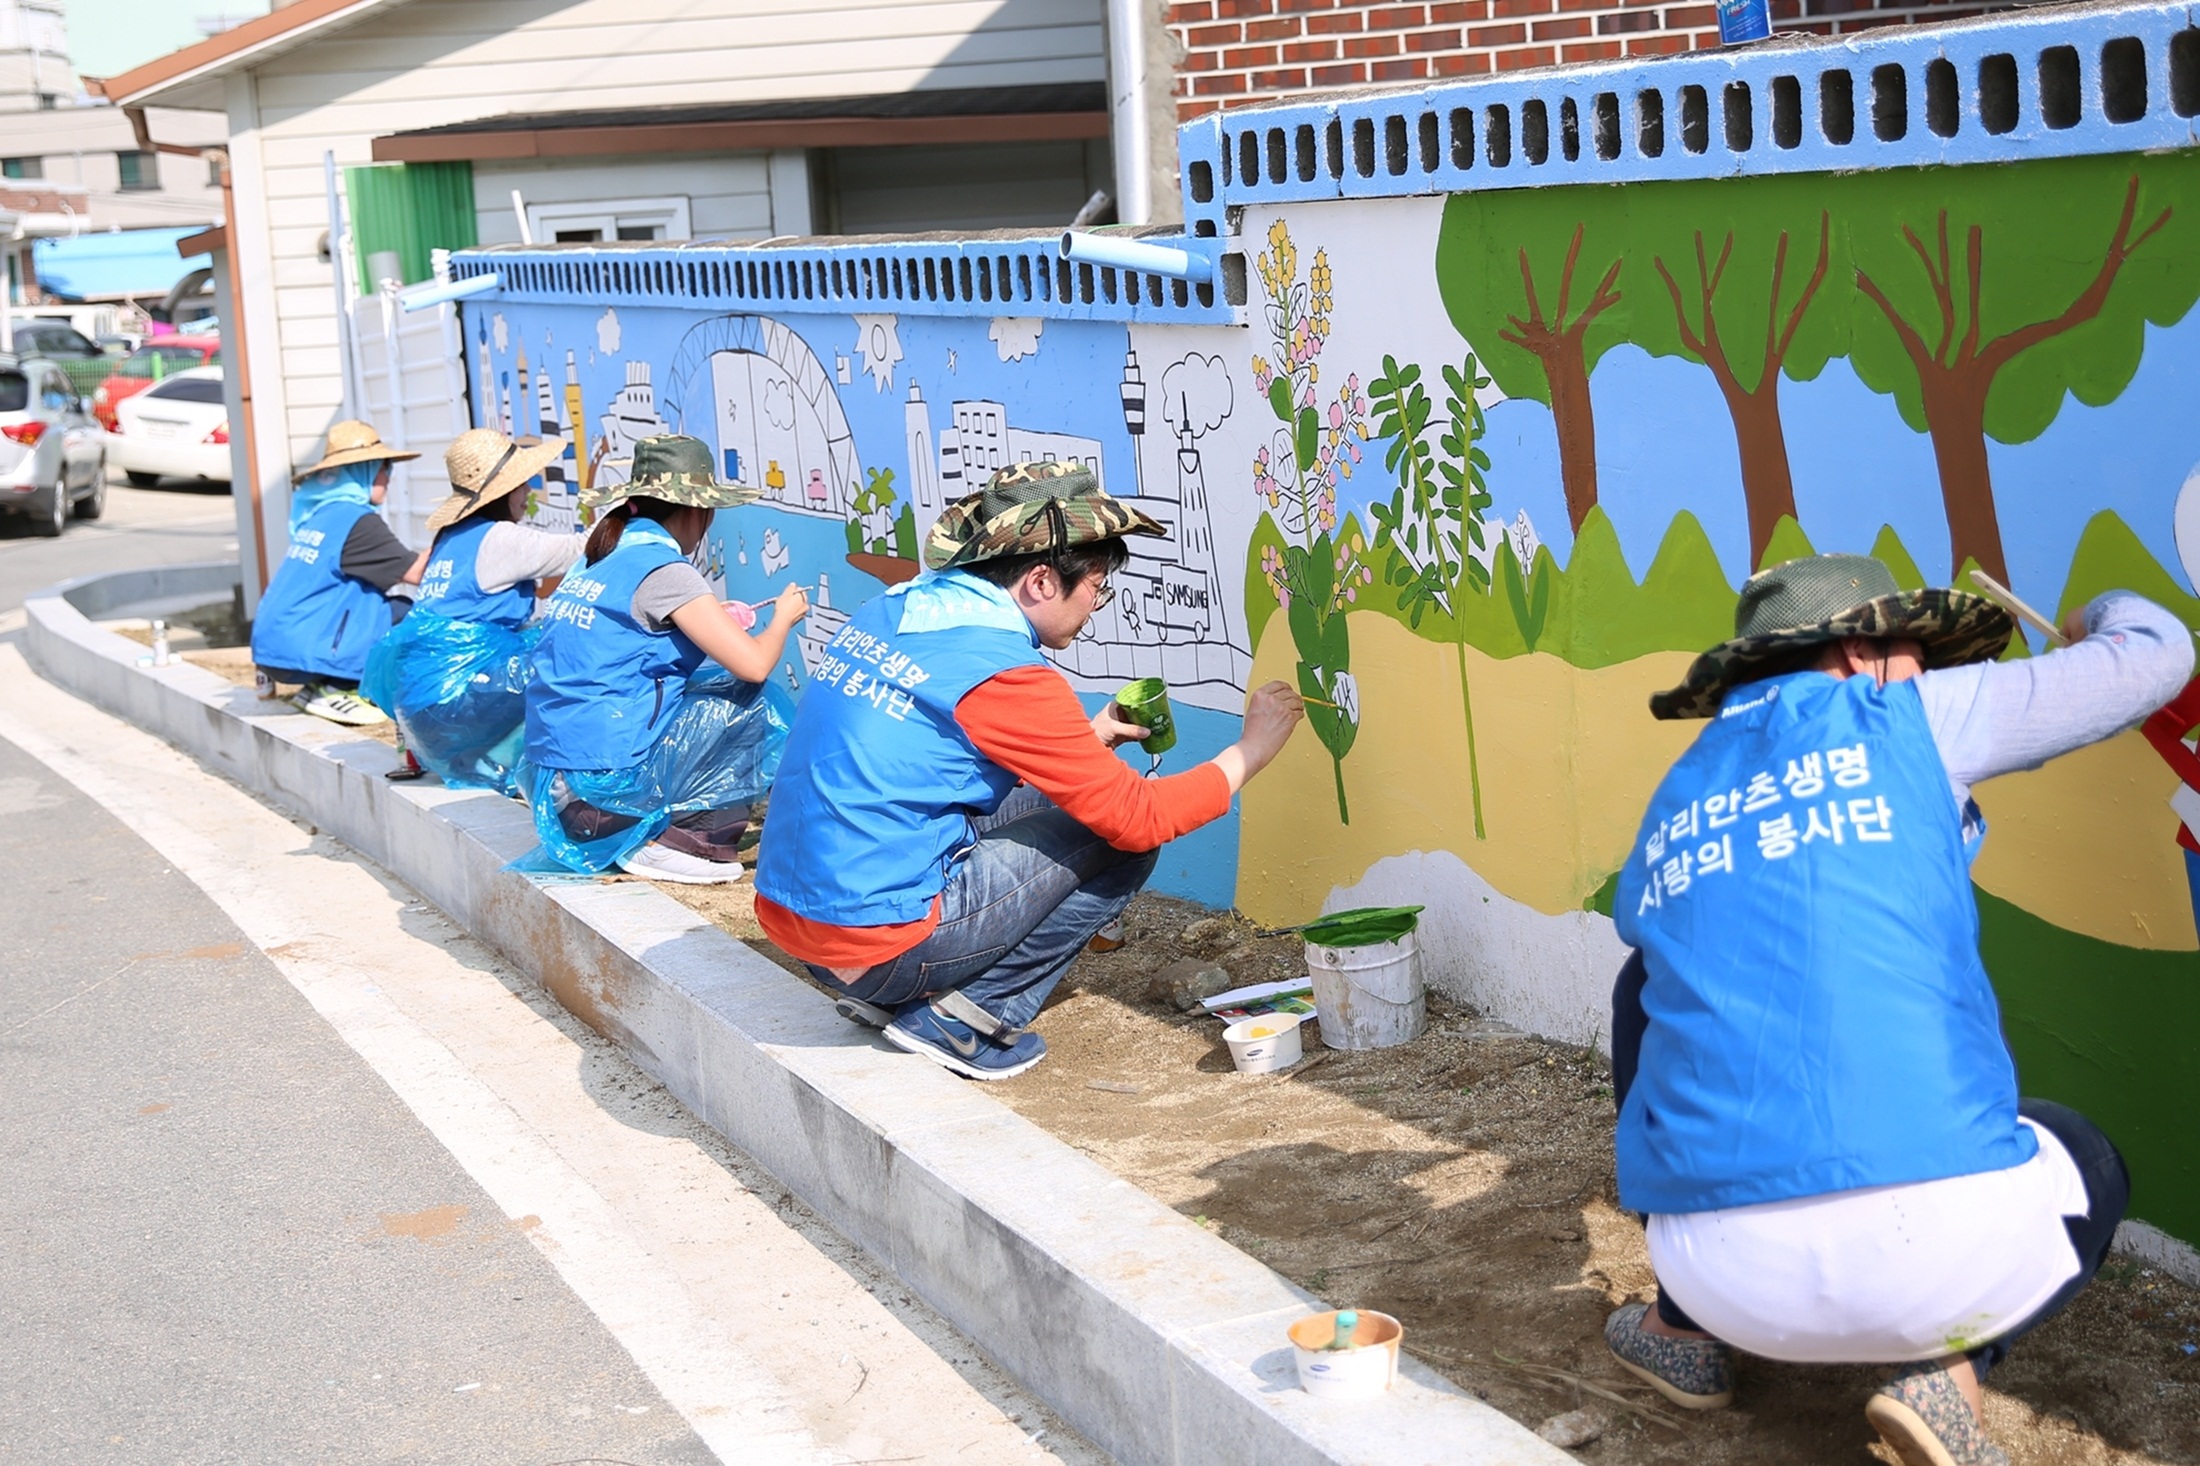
(1365, 1369)
(1146, 703)
(1742, 21)
(1265, 1042)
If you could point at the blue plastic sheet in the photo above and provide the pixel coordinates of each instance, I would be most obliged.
(458, 690)
(722, 749)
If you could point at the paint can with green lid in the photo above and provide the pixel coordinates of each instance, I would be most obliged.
(1366, 970)
(1146, 703)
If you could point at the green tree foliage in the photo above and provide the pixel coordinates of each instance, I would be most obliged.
(1750, 278)
(1986, 295)
(1530, 277)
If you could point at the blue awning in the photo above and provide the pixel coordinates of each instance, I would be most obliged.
(128, 262)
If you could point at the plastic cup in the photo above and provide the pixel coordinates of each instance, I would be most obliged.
(1265, 1042)
(1361, 1371)
(1146, 703)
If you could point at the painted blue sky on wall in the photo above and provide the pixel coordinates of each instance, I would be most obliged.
(1665, 444)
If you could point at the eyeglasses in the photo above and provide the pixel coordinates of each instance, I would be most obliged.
(1102, 596)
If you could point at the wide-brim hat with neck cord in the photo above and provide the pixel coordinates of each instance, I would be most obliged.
(676, 469)
(1031, 509)
(1825, 598)
(353, 441)
(484, 465)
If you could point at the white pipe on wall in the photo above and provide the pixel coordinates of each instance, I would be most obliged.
(354, 395)
(1134, 254)
(1127, 108)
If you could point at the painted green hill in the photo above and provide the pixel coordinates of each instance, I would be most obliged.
(2107, 1030)
(2111, 557)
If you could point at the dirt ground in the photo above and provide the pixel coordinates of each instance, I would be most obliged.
(1463, 1183)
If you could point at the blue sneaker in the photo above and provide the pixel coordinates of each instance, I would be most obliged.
(953, 1044)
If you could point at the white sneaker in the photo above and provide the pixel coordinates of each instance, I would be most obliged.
(662, 863)
(347, 708)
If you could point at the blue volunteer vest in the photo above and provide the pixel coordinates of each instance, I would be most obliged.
(1819, 1018)
(450, 587)
(605, 686)
(313, 617)
(879, 782)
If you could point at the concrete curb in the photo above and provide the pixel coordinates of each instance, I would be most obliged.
(1159, 1341)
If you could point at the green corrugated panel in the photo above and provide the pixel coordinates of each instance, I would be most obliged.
(409, 208)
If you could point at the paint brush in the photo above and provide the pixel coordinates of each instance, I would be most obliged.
(2003, 597)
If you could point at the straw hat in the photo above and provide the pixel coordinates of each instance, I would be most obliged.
(352, 441)
(1823, 598)
(484, 465)
(677, 469)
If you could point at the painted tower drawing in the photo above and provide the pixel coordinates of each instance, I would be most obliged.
(1170, 617)
(557, 507)
(924, 466)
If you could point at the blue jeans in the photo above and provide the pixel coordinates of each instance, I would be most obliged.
(1020, 904)
(2107, 1183)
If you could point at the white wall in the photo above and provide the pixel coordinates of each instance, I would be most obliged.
(729, 194)
(429, 63)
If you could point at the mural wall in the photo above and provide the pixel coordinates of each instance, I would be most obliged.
(1480, 473)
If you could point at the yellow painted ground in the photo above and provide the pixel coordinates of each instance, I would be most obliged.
(1570, 757)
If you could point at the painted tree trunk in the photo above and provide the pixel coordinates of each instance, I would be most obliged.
(1955, 415)
(1566, 369)
(1768, 484)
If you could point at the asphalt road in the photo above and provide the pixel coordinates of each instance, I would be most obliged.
(225, 1238)
(179, 522)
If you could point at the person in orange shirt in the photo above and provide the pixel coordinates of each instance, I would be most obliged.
(948, 828)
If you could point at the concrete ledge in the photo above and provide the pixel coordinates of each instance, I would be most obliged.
(1159, 1341)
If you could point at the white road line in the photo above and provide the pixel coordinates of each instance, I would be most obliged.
(747, 1330)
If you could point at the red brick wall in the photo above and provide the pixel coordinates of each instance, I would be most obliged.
(1240, 51)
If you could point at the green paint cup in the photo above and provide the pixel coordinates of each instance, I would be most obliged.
(1146, 703)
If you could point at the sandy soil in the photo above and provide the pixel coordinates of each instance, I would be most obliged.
(1464, 1183)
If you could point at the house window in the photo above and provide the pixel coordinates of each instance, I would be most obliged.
(140, 171)
(599, 221)
(214, 176)
(22, 167)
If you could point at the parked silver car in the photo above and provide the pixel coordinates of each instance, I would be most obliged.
(52, 457)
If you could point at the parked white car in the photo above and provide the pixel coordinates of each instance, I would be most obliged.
(51, 458)
(176, 428)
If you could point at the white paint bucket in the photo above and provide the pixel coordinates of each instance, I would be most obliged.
(1265, 1042)
(1361, 1372)
(1368, 997)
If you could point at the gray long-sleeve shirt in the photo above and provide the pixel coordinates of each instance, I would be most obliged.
(1997, 717)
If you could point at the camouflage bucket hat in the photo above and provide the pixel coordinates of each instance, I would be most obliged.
(1825, 598)
(676, 469)
(1031, 509)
